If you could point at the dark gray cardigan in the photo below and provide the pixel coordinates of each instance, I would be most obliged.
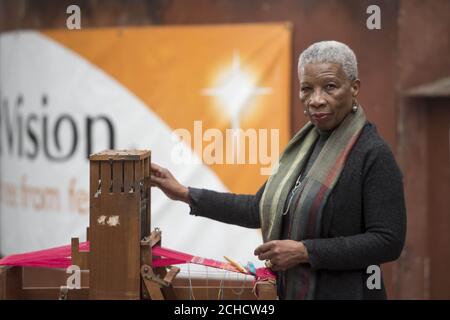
(364, 219)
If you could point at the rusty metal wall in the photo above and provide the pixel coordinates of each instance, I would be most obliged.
(423, 56)
(438, 139)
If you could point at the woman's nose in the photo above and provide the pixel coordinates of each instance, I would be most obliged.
(316, 100)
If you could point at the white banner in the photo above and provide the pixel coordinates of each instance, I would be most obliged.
(56, 108)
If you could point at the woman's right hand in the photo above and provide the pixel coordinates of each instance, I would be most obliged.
(162, 178)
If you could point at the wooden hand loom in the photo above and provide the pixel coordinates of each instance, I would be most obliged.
(118, 263)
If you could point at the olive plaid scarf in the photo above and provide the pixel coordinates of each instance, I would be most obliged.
(316, 187)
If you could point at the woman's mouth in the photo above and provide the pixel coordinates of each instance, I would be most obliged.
(321, 116)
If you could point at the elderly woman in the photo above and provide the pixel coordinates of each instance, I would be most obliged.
(335, 206)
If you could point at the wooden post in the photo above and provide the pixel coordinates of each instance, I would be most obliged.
(119, 220)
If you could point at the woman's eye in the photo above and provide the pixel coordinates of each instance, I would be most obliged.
(304, 89)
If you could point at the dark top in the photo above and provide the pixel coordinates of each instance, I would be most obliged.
(296, 190)
(363, 222)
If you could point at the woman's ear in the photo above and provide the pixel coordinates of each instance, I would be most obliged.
(356, 84)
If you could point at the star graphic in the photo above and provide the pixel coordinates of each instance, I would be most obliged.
(235, 90)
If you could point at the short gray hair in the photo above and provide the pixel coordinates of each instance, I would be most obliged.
(330, 52)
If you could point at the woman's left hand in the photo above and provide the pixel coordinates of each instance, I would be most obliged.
(282, 254)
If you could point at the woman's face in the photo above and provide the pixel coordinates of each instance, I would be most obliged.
(327, 94)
